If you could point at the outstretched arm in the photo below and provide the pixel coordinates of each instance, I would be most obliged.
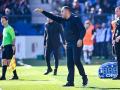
(49, 15)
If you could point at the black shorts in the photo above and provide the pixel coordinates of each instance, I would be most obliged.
(7, 52)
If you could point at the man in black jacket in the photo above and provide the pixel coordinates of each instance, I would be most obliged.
(53, 30)
(116, 41)
(74, 32)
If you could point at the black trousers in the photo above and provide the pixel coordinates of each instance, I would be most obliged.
(49, 51)
(73, 58)
(117, 52)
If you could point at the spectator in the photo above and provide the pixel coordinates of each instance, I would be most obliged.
(101, 47)
(88, 42)
(100, 17)
(25, 11)
(106, 7)
(76, 7)
(97, 5)
(82, 5)
(108, 42)
(87, 6)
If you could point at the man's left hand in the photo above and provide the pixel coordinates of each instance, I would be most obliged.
(79, 43)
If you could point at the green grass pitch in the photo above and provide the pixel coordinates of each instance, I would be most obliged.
(32, 78)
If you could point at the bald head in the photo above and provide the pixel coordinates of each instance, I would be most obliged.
(117, 11)
(66, 12)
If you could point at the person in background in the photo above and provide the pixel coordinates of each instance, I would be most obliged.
(76, 7)
(116, 42)
(108, 42)
(104, 40)
(53, 30)
(88, 42)
(101, 48)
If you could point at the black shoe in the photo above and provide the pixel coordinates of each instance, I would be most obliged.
(14, 78)
(68, 85)
(85, 80)
(2, 78)
(116, 78)
(48, 71)
(55, 71)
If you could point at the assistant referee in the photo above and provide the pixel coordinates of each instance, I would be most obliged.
(7, 47)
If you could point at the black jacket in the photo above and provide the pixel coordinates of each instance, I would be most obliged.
(53, 31)
(73, 27)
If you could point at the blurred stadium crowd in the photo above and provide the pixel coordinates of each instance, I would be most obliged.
(100, 13)
(88, 6)
(19, 8)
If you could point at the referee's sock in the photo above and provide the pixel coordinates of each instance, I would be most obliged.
(4, 69)
(15, 77)
(15, 73)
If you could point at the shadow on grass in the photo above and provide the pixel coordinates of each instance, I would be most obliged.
(99, 88)
(103, 88)
(77, 75)
(60, 75)
(32, 80)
